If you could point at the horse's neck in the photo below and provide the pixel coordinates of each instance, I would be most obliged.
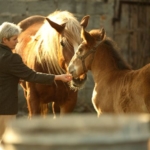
(105, 65)
(107, 60)
(102, 64)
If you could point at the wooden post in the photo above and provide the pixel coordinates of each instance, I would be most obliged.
(82, 132)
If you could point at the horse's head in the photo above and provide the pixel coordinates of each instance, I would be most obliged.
(68, 39)
(82, 60)
(66, 45)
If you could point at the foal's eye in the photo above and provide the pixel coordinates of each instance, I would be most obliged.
(80, 50)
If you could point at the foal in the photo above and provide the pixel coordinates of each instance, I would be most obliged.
(118, 88)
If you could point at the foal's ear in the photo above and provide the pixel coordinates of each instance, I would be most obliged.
(100, 37)
(84, 21)
(102, 34)
(86, 37)
(57, 27)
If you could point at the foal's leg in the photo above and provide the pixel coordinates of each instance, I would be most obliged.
(96, 102)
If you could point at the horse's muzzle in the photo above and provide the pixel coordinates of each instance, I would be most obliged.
(78, 83)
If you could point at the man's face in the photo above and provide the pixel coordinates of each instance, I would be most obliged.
(11, 43)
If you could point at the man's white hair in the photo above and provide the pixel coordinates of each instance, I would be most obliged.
(7, 30)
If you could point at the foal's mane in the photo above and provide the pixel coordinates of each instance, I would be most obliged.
(46, 42)
(114, 50)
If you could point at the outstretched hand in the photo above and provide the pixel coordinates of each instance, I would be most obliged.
(64, 77)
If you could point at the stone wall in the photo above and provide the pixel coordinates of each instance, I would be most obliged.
(101, 11)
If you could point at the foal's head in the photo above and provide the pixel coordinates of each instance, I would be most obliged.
(77, 83)
(83, 58)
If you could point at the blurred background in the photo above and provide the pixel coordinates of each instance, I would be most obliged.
(125, 21)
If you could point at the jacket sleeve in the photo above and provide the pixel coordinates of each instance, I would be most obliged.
(20, 70)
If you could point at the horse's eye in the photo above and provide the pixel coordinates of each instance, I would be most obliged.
(62, 43)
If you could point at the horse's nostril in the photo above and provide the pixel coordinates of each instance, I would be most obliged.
(70, 69)
(71, 72)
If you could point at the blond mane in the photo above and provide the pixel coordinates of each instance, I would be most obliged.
(46, 42)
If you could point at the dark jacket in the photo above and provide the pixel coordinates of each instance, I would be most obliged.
(12, 69)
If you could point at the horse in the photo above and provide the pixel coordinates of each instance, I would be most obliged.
(118, 88)
(47, 44)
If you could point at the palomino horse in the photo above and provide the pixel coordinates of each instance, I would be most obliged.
(118, 88)
(47, 45)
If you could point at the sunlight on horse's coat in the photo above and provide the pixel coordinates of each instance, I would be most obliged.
(118, 88)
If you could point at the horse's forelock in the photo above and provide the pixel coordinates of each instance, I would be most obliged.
(72, 29)
(48, 40)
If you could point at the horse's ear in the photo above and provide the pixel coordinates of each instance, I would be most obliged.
(84, 21)
(86, 36)
(103, 34)
(57, 27)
